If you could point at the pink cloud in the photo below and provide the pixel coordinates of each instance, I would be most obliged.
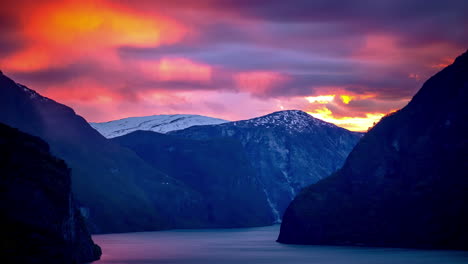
(258, 82)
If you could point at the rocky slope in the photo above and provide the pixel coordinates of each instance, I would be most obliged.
(156, 123)
(118, 191)
(288, 150)
(404, 185)
(40, 220)
(217, 169)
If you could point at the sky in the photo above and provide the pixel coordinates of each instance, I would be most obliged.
(346, 62)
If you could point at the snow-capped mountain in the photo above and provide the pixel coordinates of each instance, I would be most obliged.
(156, 123)
(290, 120)
(288, 150)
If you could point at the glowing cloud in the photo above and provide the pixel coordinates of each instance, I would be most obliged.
(72, 31)
(346, 98)
(258, 82)
(351, 123)
(351, 111)
(30, 59)
(78, 21)
(177, 69)
(83, 90)
(321, 99)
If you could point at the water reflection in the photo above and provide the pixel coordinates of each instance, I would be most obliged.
(249, 245)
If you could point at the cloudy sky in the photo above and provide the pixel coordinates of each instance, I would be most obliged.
(347, 62)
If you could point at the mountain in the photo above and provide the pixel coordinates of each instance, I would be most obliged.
(218, 169)
(156, 123)
(118, 191)
(288, 150)
(405, 184)
(40, 222)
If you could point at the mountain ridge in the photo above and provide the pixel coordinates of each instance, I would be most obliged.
(296, 120)
(156, 123)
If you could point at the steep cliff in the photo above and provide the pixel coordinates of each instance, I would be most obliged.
(40, 222)
(405, 184)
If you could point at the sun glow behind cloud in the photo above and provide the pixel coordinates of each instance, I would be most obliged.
(65, 33)
(79, 21)
(321, 99)
(319, 107)
(361, 124)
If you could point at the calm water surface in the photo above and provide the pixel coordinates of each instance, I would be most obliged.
(250, 245)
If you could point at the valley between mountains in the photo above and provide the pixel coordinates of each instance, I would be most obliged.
(203, 172)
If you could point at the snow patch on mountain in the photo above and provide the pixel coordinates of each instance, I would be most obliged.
(156, 123)
(292, 120)
(32, 94)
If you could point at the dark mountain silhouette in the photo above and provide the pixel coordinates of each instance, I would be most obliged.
(40, 222)
(217, 169)
(405, 184)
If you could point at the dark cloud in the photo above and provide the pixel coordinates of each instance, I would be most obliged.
(9, 46)
(54, 75)
(361, 107)
(421, 17)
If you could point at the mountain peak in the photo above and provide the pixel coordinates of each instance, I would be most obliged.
(295, 114)
(293, 120)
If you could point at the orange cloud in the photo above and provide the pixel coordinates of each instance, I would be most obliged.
(60, 34)
(30, 59)
(95, 24)
(258, 82)
(444, 62)
(177, 69)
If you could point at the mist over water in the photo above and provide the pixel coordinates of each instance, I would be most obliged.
(250, 245)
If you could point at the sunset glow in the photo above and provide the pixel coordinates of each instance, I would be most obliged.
(258, 82)
(178, 69)
(321, 99)
(352, 123)
(82, 20)
(112, 59)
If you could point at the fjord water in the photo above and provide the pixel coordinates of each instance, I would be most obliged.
(249, 245)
